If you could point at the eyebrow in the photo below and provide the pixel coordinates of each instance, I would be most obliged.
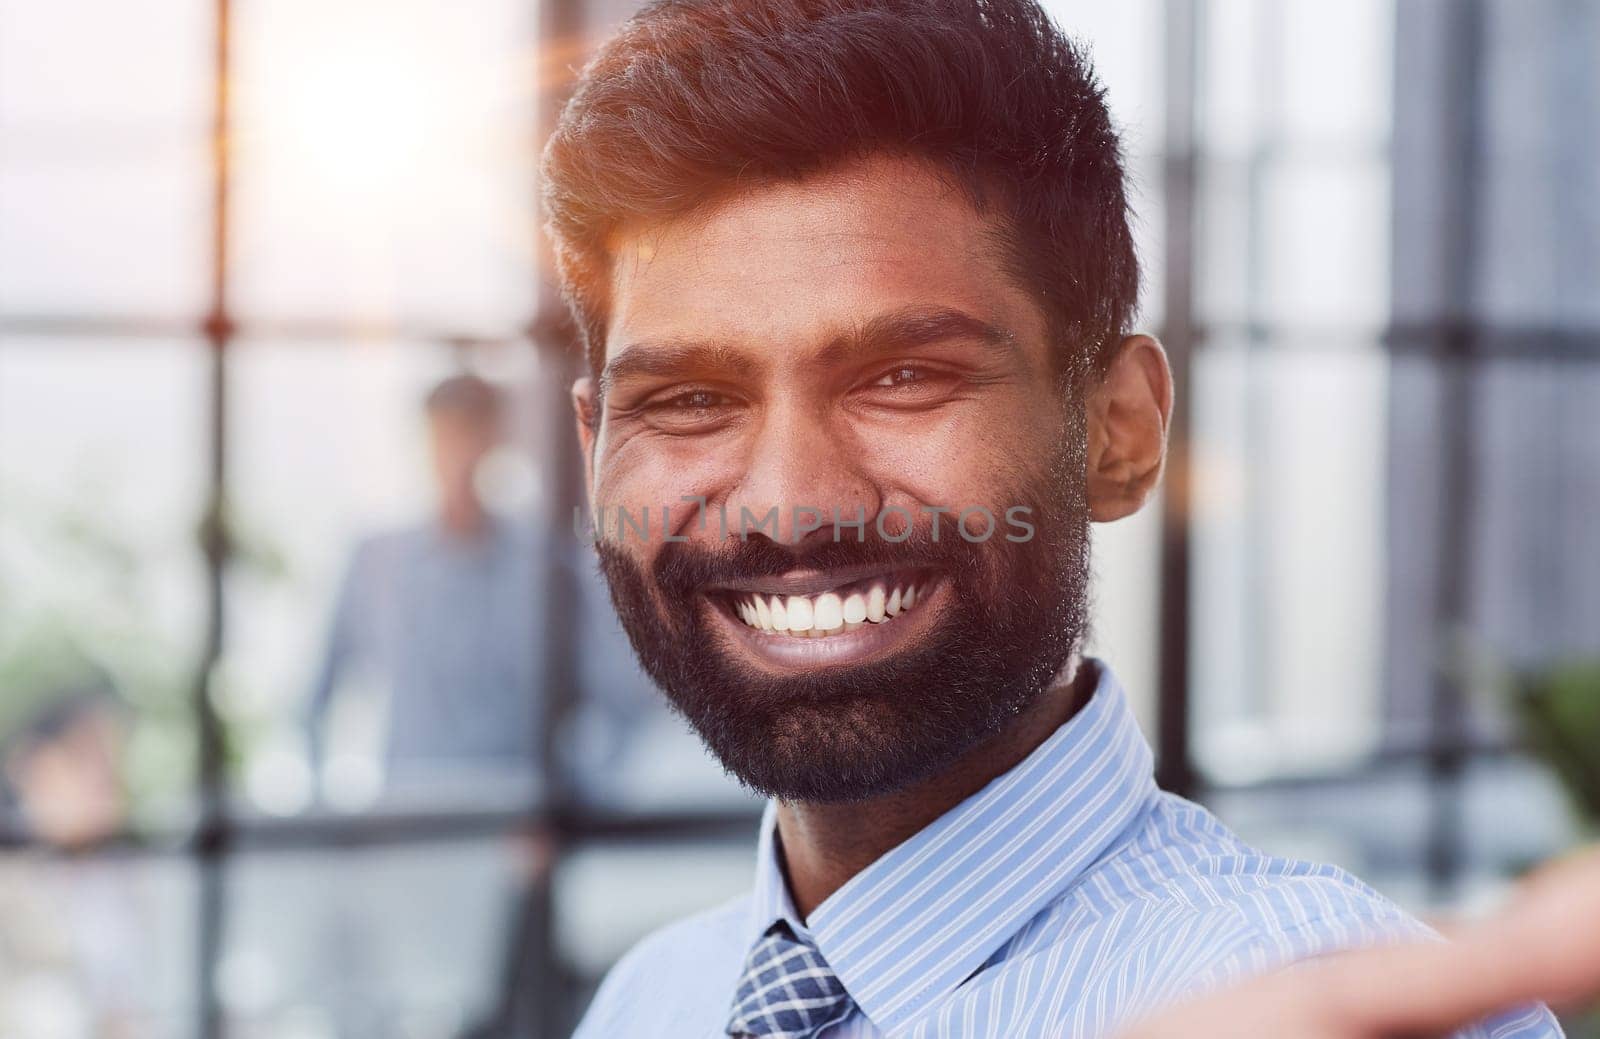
(911, 327)
(674, 357)
(903, 329)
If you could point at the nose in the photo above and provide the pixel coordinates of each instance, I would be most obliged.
(798, 477)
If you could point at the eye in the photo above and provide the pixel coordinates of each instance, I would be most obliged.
(911, 385)
(690, 411)
(692, 400)
(901, 375)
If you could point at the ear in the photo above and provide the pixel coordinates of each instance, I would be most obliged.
(586, 412)
(1128, 412)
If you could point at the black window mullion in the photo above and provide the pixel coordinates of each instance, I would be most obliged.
(211, 843)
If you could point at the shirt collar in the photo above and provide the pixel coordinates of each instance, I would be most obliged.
(918, 921)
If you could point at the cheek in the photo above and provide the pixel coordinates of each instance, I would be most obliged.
(974, 456)
(651, 474)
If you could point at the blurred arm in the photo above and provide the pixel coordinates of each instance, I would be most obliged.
(338, 645)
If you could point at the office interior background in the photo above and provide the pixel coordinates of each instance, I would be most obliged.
(240, 241)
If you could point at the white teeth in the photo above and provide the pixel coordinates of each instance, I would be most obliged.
(875, 601)
(826, 614)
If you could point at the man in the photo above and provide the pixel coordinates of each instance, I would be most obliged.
(855, 283)
(444, 621)
(437, 618)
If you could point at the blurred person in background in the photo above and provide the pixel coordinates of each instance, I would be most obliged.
(64, 769)
(446, 622)
(76, 926)
(869, 261)
(446, 619)
(440, 617)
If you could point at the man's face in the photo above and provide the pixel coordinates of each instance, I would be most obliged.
(459, 444)
(852, 343)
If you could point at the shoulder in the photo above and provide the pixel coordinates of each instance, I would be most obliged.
(677, 980)
(1266, 909)
(1198, 908)
(1180, 904)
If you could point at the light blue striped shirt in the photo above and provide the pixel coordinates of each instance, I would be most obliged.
(1065, 898)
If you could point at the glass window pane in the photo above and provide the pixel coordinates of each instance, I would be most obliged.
(1300, 243)
(104, 164)
(1289, 527)
(1537, 224)
(1378, 825)
(1227, 276)
(1325, 243)
(102, 454)
(611, 895)
(1537, 575)
(97, 947)
(1295, 114)
(1336, 63)
(1533, 593)
(385, 162)
(369, 942)
(1300, 74)
(1232, 54)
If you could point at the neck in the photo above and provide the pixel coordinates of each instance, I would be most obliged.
(462, 516)
(824, 845)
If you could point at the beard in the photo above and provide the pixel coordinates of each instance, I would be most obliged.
(849, 732)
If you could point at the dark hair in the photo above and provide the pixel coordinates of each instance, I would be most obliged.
(64, 705)
(466, 395)
(693, 98)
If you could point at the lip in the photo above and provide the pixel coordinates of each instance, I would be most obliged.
(786, 653)
(815, 582)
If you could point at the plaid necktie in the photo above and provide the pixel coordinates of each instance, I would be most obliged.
(787, 991)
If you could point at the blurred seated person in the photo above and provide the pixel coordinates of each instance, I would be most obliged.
(446, 621)
(63, 769)
(80, 920)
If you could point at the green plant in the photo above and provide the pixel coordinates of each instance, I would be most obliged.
(1559, 711)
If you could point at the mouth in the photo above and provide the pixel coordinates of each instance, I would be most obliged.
(821, 605)
(812, 619)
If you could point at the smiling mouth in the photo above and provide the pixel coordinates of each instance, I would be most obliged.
(841, 608)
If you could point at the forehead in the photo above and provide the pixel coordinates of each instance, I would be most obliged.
(792, 262)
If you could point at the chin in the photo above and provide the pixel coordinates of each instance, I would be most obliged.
(829, 753)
